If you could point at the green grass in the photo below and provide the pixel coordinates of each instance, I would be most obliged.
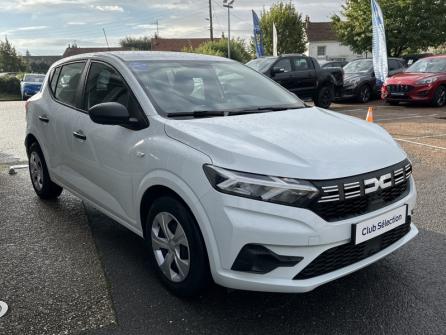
(9, 97)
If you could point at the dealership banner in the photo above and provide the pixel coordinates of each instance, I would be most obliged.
(379, 47)
(274, 40)
(258, 37)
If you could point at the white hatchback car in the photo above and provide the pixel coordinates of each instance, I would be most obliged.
(225, 174)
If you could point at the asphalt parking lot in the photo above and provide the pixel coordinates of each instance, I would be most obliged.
(67, 269)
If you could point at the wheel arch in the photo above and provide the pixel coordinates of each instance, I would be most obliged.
(29, 140)
(161, 184)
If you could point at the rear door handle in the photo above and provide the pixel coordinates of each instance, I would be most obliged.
(80, 135)
(44, 118)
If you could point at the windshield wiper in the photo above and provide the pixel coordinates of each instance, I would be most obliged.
(198, 114)
(213, 113)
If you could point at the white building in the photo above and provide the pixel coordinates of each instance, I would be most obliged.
(323, 45)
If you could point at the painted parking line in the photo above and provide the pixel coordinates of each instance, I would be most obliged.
(406, 117)
(423, 144)
(427, 136)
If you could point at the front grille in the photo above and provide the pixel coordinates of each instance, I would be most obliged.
(347, 254)
(349, 197)
(399, 88)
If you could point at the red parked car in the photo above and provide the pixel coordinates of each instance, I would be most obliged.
(423, 81)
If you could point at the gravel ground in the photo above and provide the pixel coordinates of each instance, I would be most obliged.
(50, 274)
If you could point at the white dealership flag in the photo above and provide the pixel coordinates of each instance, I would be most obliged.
(379, 47)
(274, 40)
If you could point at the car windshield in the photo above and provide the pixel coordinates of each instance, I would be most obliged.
(177, 87)
(431, 65)
(359, 66)
(34, 78)
(261, 64)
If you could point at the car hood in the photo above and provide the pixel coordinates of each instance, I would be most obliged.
(409, 77)
(353, 76)
(309, 143)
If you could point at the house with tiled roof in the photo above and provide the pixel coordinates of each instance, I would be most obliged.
(75, 50)
(323, 44)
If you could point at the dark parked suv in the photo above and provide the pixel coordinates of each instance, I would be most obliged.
(359, 78)
(303, 76)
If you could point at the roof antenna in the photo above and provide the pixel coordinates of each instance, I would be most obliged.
(106, 40)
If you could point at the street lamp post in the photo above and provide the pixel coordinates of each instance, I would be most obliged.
(228, 5)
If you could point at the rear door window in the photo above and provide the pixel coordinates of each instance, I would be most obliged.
(68, 83)
(300, 64)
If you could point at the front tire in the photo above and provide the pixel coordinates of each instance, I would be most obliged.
(40, 178)
(364, 94)
(324, 96)
(177, 249)
(439, 99)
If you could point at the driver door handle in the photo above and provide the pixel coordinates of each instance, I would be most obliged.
(44, 118)
(79, 134)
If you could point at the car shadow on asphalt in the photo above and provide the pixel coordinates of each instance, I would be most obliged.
(387, 297)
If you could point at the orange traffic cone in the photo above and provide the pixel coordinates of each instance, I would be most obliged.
(369, 117)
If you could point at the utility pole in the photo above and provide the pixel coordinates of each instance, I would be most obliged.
(228, 5)
(157, 28)
(210, 20)
(106, 40)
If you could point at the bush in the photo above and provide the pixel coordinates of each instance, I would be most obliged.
(9, 85)
(220, 48)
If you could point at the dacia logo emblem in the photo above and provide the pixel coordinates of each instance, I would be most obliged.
(382, 182)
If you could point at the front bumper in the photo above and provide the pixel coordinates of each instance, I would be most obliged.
(419, 93)
(287, 231)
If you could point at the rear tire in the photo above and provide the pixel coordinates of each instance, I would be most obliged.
(40, 178)
(364, 94)
(324, 97)
(177, 249)
(439, 99)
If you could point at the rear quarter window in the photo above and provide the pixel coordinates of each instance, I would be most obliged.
(54, 78)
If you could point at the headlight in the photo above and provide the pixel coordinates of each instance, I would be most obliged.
(287, 191)
(427, 80)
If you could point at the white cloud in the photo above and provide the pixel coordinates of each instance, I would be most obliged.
(75, 23)
(113, 8)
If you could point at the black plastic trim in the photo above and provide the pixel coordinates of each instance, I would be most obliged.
(256, 258)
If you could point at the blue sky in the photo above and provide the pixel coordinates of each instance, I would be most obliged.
(46, 27)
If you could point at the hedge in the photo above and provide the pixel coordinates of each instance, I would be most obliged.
(9, 85)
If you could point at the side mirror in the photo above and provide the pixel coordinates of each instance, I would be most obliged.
(110, 113)
(276, 70)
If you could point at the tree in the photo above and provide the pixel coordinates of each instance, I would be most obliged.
(134, 43)
(290, 29)
(220, 48)
(411, 25)
(10, 61)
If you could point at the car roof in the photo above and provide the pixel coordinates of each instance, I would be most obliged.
(436, 56)
(127, 56)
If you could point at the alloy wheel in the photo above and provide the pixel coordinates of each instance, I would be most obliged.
(36, 169)
(170, 247)
(441, 98)
(365, 94)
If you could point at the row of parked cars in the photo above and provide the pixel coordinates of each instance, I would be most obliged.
(422, 81)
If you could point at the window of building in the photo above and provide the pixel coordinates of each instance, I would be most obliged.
(321, 50)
